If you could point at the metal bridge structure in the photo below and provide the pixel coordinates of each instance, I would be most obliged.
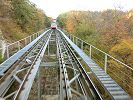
(54, 65)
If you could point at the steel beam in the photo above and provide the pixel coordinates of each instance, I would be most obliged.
(97, 73)
(25, 87)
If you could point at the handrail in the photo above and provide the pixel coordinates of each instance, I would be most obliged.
(23, 38)
(102, 51)
(111, 56)
(9, 48)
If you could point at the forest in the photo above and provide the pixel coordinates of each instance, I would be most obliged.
(110, 31)
(20, 18)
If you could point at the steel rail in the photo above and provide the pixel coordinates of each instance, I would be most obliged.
(17, 60)
(64, 84)
(79, 82)
(99, 50)
(105, 80)
(105, 53)
(7, 79)
(25, 87)
(23, 38)
(96, 95)
(74, 64)
(20, 53)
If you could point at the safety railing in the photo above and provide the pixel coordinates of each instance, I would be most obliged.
(12, 48)
(119, 71)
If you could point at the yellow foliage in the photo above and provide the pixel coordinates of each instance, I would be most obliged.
(126, 43)
(73, 19)
(124, 51)
(11, 30)
(19, 21)
(130, 14)
(70, 25)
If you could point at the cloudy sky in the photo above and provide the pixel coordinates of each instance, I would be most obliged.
(54, 7)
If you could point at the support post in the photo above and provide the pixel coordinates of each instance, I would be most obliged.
(25, 42)
(30, 38)
(36, 35)
(82, 43)
(76, 41)
(18, 45)
(73, 39)
(39, 85)
(90, 50)
(105, 63)
(48, 49)
(33, 37)
(7, 52)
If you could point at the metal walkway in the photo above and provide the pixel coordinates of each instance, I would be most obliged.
(19, 71)
(114, 90)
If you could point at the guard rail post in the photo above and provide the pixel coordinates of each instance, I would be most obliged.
(30, 38)
(25, 42)
(7, 51)
(82, 43)
(90, 51)
(18, 45)
(73, 39)
(105, 63)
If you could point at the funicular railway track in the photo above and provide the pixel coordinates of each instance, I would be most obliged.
(75, 82)
(23, 61)
(79, 73)
(114, 91)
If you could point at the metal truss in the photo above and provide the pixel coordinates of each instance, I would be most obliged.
(75, 82)
(105, 80)
(29, 64)
(68, 60)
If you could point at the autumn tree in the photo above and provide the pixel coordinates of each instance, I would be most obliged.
(110, 31)
(19, 18)
(124, 51)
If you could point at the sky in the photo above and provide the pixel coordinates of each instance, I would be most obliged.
(53, 8)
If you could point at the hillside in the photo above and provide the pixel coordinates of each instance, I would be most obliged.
(20, 18)
(112, 29)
